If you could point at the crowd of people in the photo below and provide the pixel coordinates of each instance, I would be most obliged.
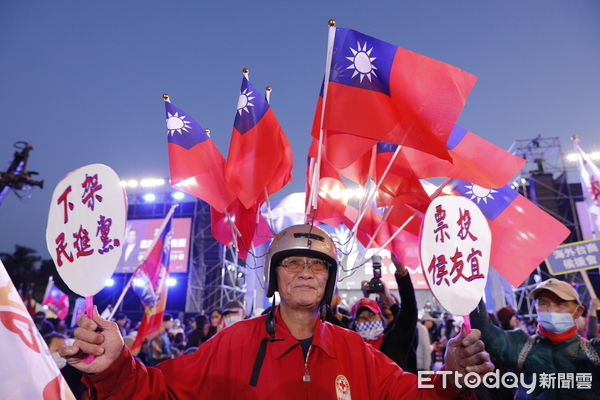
(227, 346)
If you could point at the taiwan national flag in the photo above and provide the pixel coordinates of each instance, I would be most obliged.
(474, 159)
(150, 284)
(246, 225)
(523, 235)
(196, 165)
(400, 184)
(343, 150)
(331, 201)
(405, 245)
(56, 301)
(260, 157)
(385, 93)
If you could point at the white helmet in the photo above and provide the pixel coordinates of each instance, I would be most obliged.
(302, 240)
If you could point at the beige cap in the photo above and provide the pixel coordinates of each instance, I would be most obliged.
(562, 289)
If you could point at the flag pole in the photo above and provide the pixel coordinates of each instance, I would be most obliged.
(435, 194)
(312, 203)
(362, 210)
(584, 274)
(372, 193)
(154, 240)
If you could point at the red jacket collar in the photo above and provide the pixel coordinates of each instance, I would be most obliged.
(557, 338)
(322, 337)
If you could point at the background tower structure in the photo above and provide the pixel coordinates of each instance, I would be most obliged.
(544, 180)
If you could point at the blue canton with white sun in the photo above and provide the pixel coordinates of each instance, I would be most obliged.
(251, 107)
(491, 201)
(182, 129)
(361, 61)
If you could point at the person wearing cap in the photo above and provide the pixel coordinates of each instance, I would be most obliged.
(555, 352)
(289, 353)
(396, 340)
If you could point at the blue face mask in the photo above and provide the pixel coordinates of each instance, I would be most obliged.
(369, 330)
(556, 322)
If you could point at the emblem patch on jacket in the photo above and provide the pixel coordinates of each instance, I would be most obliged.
(342, 388)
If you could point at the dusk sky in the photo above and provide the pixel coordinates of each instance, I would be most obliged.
(82, 81)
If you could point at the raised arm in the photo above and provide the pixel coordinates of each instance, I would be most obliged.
(503, 345)
(398, 340)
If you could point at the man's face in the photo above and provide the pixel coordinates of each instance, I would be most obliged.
(168, 324)
(131, 236)
(428, 323)
(366, 315)
(302, 289)
(547, 301)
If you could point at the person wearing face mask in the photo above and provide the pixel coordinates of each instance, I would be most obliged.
(555, 348)
(398, 339)
(233, 312)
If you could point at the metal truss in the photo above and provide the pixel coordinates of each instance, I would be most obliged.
(545, 166)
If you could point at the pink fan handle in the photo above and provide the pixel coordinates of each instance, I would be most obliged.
(89, 312)
(467, 323)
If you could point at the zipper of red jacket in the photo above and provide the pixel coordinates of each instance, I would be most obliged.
(306, 377)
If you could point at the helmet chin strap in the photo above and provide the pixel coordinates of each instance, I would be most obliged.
(262, 348)
(324, 309)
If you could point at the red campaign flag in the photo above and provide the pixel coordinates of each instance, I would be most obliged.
(523, 235)
(400, 184)
(474, 159)
(245, 220)
(260, 156)
(195, 163)
(56, 301)
(385, 93)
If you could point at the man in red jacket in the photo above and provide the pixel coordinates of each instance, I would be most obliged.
(289, 353)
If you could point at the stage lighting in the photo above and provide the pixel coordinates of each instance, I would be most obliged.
(171, 282)
(109, 282)
(177, 195)
(152, 182)
(138, 282)
(149, 197)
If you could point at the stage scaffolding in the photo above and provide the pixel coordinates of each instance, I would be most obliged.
(544, 181)
(213, 278)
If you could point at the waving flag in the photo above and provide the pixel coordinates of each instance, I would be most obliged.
(400, 184)
(196, 165)
(247, 230)
(474, 159)
(523, 235)
(590, 182)
(150, 284)
(405, 245)
(382, 92)
(343, 150)
(259, 152)
(27, 370)
(331, 201)
(56, 301)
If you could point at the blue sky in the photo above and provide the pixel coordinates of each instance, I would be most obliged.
(82, 81)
